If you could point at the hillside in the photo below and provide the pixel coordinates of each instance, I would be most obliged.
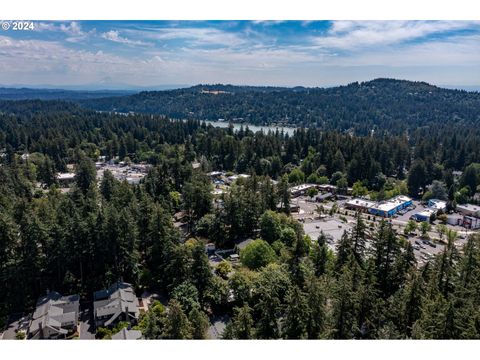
(381, 104)
(57, 94)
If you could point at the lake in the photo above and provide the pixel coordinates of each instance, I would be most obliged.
(254, 128)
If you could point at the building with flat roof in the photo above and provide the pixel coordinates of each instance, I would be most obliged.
(471, 222)
(469, 209)
(424, 215)
(359, 204)
(301, 189)
(390, 207)
(439, 206)
(55, 316)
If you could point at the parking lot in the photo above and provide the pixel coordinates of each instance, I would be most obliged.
(331, 227)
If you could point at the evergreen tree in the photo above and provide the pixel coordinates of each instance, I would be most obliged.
(241, 325)
(176, 323)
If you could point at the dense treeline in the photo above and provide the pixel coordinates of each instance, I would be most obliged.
(55, 128)
(287, 286)
(57, 94)
(380, 105)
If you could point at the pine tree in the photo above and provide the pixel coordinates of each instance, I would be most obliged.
(296, 312)
(316, 302)
(320, 255)
(241, 325)
(344, 251)
(176, 323)
(359, 239)
(201, 272)
(200, 323)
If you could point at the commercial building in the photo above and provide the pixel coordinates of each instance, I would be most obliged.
(471, 222)
(439, 206)
(55, 316)
(469, 210)
(424, 215)
(321, 197)
(301, 189)
(455, 219)
(360, 204)
(390, 207)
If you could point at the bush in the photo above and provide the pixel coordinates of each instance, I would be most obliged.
(223, 269)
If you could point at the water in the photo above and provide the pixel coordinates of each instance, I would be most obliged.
(254, 128)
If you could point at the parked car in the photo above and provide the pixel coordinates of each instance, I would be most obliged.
(416, 247)
(417, 242)
(432, 244)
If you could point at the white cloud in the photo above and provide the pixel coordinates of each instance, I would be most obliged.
(194, 36)
(352, 35)
(114, 36)
(73, 29)
(349, 51)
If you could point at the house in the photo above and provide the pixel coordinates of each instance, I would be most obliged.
(115, 304)
(239, 246)
(210, 248)
(126, 334)
(65, 178)
(469, 210)
(55, 316)
(233, 178)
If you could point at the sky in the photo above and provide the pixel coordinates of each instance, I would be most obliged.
(136, 54)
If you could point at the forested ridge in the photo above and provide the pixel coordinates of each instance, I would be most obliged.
(286, 286)
(57, 94)
(388, 105)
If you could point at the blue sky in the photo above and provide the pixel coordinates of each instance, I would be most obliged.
(109, 54)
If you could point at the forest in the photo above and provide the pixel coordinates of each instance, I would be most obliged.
(384, 105)
(286, 285)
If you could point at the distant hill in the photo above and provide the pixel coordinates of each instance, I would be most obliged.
(381, 104)
(57, 94)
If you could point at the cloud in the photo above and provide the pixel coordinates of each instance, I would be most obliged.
(114, 36)
(194, 36)
(352, 35)
(73, 30)
(439, 52)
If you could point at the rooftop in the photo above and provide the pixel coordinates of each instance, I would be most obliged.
(126, 334)
(118, 298)
(391, 204)
(360, 203)
(54, 311)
